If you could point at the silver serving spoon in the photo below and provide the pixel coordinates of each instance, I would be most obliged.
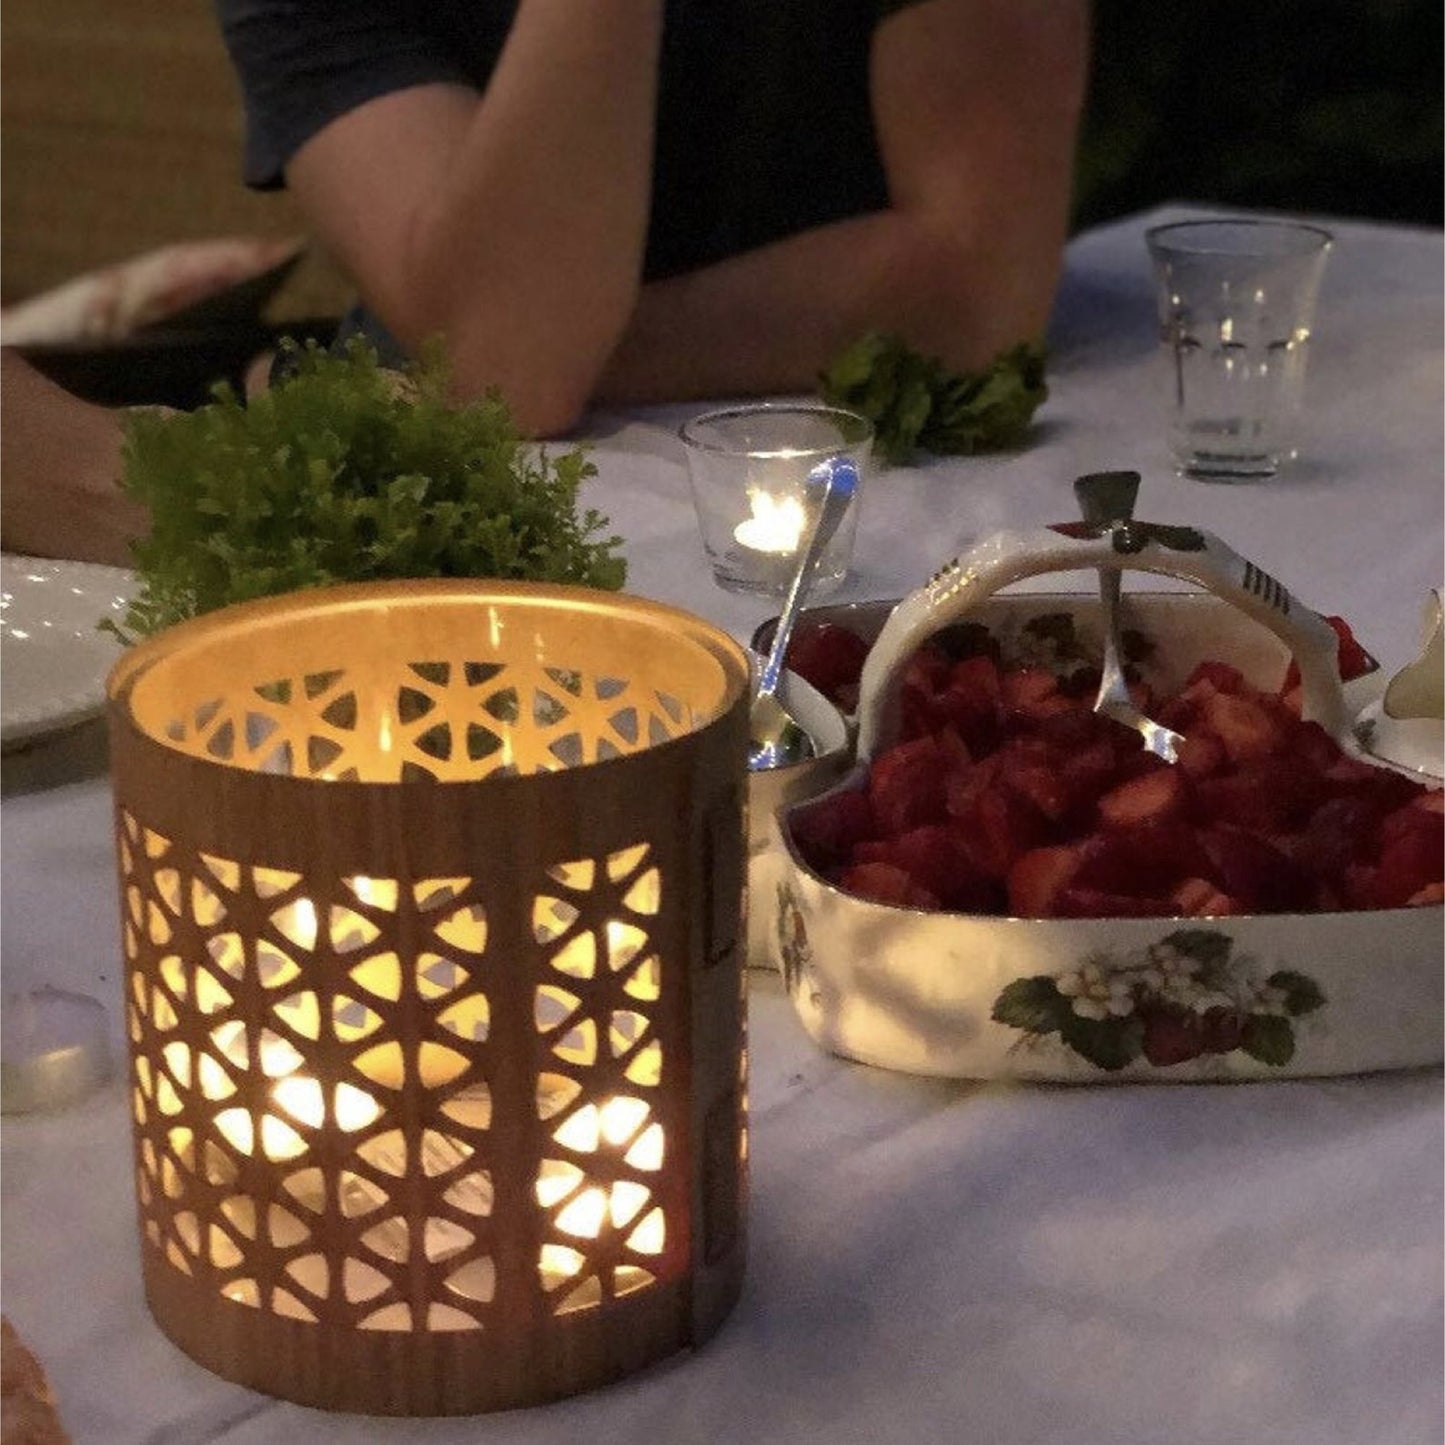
(776, 736)
(1106, 500)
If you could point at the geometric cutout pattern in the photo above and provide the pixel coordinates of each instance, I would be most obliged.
(445, 720)
(244, 951)
(598, 1098)
(279, 1019)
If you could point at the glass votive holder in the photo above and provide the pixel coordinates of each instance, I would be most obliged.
(748, 466)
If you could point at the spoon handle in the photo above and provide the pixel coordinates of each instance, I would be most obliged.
(833, 483)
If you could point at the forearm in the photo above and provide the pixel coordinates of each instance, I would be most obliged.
(770, 320)
(519, 234)
(976, 105)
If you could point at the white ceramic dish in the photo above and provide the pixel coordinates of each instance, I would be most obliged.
(978, 997)
(53, 657)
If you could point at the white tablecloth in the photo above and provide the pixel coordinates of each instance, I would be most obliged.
(929, 1261)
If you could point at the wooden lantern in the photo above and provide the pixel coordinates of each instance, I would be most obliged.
(431, 902)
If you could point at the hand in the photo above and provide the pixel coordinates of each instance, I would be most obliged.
(60, 459)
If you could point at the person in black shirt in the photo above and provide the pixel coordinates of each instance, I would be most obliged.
(643, 200)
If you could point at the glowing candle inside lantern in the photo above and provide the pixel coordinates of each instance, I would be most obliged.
(588, 1209)
(776, 524)
(298, 1096)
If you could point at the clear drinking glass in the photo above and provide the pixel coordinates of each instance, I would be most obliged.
(747, 466)
(1236, 310)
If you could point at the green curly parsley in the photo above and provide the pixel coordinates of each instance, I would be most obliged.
(347, 472)
(917, 404)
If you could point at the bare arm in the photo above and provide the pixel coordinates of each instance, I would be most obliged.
(59, 472)
(514, 222)
(976, 107)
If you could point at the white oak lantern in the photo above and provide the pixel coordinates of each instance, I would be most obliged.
(431, 902)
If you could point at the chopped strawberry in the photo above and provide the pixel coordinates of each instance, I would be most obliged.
(1341, 831)
(1412, 856)
(1075, 730)
(884, 883)
(935, 858)
(1028, 691)
(979, 676)
(996, 827)
(1410, 820)
(1199, 898)
(828, 656)
(1027, 771)
(928, 669)
(1309, 741)
(919, 714)
(953, 751)
(1036, 878)
(1086, 775)
(1254, 871)
(970, 701)
(1179, 713)
(1220, 676)
(826, 832)
(1354, 661)
(979, 727)
(1243, 724)
(1150, 859)
(1354, 775)
(1200, 755)
(1158, 796)
(903, 786)
(1272, 794)
(1234, 798)
(1075, 901)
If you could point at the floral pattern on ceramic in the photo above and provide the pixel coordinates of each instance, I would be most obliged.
(794, 954)
(1186, 996)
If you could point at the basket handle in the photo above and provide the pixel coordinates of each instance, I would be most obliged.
(960, 586)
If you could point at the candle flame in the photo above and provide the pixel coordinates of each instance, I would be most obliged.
(776, 524)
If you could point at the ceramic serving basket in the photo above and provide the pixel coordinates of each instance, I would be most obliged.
(977, 997)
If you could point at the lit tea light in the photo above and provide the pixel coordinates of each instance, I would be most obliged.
(776, 524)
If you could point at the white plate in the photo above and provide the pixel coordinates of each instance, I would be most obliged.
(53, 657)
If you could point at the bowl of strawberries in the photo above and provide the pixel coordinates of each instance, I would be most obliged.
(1008, 884)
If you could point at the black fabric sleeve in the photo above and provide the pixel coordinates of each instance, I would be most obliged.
(303, 63)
